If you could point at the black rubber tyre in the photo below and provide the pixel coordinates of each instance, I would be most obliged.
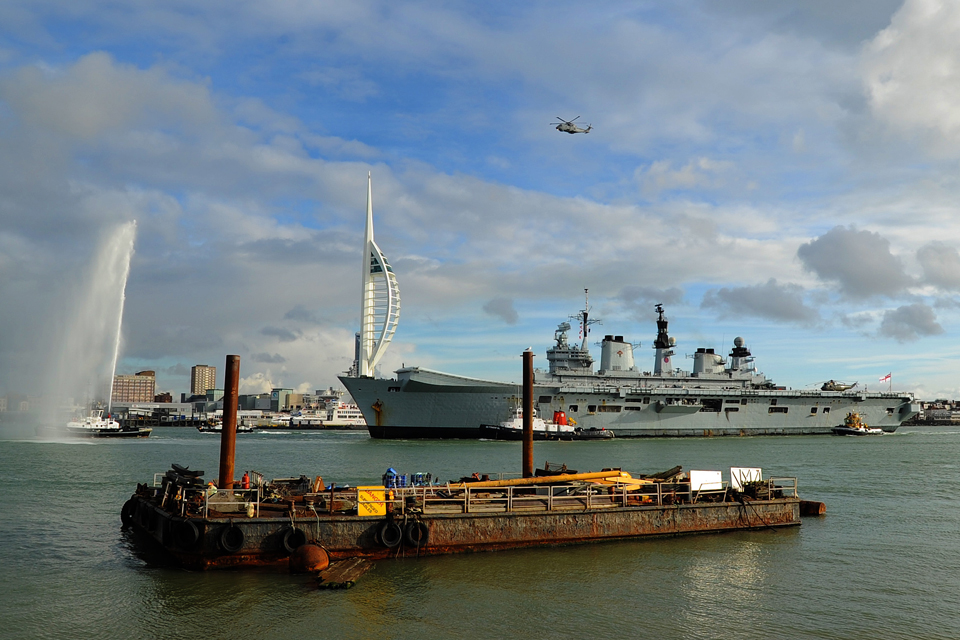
(416, 534)
(293, 539)
(127, 512)
(231, 538)
(390, 534)
(185, 534)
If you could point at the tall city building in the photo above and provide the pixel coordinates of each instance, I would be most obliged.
(202, 377)
(140, 387)
(380, 305)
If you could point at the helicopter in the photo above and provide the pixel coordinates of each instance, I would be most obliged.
(833, 385)
(568, 126)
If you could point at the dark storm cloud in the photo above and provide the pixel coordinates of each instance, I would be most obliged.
(860, 262)
(283, 335)
(909, 323)
(276, 358)
(780, 302)
(941, 265)
(502, 308)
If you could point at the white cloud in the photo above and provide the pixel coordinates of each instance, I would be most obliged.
(912, 73)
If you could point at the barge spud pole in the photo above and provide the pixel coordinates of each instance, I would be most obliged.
(528, 413)
(228, 437)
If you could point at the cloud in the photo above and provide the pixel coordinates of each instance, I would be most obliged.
(773, 301)
(909, 323)
(502, 308)
(178, 370)
(276, 358)
(911, 75)
(941, 265)
(643, 299)
(283, 335)
(257, 383)
(859, 262)
(301, 314)
(699, 173)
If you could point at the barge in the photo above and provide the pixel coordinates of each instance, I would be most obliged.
(304, 524)
(203, 528)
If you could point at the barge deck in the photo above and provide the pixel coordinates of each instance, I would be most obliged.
(200, 528)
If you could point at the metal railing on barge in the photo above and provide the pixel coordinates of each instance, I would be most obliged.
(452, 498)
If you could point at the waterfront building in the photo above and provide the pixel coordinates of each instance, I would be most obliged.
(279, 399)
(140, 387)
(202, 377)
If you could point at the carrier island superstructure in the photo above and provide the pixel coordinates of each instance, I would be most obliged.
(720, 396)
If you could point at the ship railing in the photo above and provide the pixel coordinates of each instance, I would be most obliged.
(440, 498)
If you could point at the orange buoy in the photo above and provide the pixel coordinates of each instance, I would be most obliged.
(308, 558)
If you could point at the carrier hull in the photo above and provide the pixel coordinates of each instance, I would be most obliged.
(427, 404)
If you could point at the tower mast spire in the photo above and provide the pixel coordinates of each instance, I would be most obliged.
(380, 298)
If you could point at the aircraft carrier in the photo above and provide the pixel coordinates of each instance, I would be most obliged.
(720, 396)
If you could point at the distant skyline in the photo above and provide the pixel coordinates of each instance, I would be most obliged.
(785, 173)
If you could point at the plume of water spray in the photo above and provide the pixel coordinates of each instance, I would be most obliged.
(90, 346)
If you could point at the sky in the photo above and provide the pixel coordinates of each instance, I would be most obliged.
(784, 172)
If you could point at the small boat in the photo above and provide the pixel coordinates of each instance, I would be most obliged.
(559, 429)
(216, 426)
(96, 425)
(854, 426)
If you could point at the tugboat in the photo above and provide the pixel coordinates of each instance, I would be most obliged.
(559, 429)
(854, 426)
(96, 426)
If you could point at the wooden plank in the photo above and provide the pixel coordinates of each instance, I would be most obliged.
(343, 574)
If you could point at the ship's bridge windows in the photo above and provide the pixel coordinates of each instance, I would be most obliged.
(393, 389)
(573, 408)
(545, 399)
(813, 410)
(777, 409)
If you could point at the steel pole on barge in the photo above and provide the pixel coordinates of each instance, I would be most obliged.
(528, 413)
(228, 433)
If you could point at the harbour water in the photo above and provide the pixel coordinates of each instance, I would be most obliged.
(883, 563)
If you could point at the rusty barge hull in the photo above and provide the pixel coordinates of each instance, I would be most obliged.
(209, 543)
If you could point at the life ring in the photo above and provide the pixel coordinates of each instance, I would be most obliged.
(416, 534)
(127, 512)
(293, 539)
(185, 534)
(231, 538)
(390, 534)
